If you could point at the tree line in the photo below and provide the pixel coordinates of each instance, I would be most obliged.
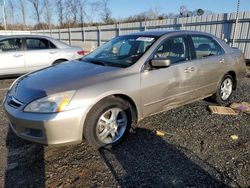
(50, 14)
(47, 14)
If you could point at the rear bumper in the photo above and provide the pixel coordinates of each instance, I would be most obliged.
(49, 129)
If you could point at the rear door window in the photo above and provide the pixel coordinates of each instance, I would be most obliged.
(10, 45)
(39, 44)
(206, 46)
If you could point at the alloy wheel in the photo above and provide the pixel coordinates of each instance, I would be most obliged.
(111, 125)
(226, 89)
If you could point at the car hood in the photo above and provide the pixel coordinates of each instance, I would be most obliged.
(67, 76)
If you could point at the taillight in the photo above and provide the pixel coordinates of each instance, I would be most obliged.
(81, 52)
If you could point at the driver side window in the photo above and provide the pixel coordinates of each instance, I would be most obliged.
(174, 49)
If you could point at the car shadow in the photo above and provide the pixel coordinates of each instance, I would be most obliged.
(153, 162)
(25, 163)
(11, 77)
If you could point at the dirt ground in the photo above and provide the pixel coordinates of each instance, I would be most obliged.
(197, 151)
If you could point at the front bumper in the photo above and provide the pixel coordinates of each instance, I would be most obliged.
(50, 129)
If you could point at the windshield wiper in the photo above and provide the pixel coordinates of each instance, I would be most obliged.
(104, 63)
(94, 61)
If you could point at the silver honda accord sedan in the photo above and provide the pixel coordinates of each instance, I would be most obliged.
(125, 80)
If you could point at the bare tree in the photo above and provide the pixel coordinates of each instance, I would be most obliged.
(60, 11)
(183, 9)
(94, 9)
(106, 12)
(75, 9)
(67, 14)
(153, 13)
(82, 11)
(37, 5)
(48, 17)
(184, 12)
(23, 10)
(72, 10)
(11, 12)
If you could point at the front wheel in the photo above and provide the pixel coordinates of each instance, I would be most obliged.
(107, 122)
(224, 91)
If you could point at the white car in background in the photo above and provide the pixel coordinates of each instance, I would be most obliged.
(25, 53)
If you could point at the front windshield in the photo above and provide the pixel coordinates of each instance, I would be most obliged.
(121, 51)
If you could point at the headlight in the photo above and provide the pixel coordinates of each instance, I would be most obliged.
(50, 104)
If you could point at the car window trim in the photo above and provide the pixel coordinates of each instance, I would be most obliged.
(192, 48)
(206, 36)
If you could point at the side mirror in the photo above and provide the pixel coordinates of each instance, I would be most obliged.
(160, 63)
(225, 40)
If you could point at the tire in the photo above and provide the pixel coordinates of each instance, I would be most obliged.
(58, 61)
(224, 91)
(101, 129)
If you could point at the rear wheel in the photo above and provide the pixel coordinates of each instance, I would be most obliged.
(107, 122)
(224, 92)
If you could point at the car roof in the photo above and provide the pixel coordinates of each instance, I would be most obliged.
(165, 32)
(152, 33)
(24, 36)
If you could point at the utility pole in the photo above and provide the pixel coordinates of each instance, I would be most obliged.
(236, 22)
(2, 2)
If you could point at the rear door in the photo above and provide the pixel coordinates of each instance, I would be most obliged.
(40, 53)
(11, 56)
(210, 60)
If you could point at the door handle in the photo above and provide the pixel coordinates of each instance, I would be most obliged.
(222, 60)
(53, 52)
(18, 55)
(189, 69)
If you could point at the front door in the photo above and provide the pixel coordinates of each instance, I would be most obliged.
(165, 88)
(11, 56)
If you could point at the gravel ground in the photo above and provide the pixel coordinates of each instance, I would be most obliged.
(197, 151)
